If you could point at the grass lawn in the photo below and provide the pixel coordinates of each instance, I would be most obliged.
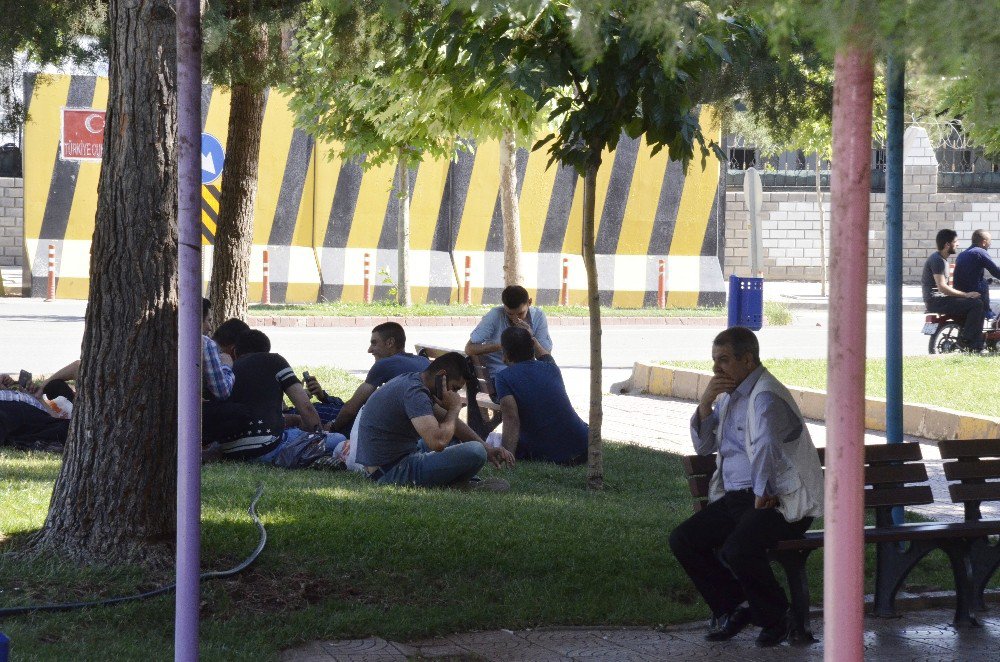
(389, 309)
(955, 381)
(346, 558)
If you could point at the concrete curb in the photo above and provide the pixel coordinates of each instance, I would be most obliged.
(319, 321)
(918, 420)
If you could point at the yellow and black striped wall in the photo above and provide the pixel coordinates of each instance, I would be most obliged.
(318, 216)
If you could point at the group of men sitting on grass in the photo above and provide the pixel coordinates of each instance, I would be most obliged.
(401, 426)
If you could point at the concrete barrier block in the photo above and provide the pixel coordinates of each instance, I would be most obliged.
(874, 414)
(685, 384)
(940, 424)
(661, 381)
(639, 382)
(978, 427)
(813, 404)
(913, 419)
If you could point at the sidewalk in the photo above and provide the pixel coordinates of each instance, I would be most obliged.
(919, 635)
(807, 296)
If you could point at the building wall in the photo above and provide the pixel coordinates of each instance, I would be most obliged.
(11, 222)
(790, 222)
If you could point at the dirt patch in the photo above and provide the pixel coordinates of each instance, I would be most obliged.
(260, 591)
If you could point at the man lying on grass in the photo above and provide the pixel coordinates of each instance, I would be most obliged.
(408, 436)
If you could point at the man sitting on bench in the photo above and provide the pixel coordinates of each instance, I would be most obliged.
(405, 436)
(539, 422)
(768, 487)
(515, 311)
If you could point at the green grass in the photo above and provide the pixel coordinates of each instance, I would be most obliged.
(777, 314)
(955, 381)
(388, 309)
(346, 558)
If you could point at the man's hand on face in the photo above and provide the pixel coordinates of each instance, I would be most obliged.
(716, 385)
(499, 456)
(517, 321)
(226, 359)
(450, 400)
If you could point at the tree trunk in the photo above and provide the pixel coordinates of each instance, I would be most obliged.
(822, 230)
(403, 234)
(234, 235)
(595, 454)
(114, 499)
(511, 212)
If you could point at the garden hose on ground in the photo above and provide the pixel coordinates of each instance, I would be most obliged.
(68, 606)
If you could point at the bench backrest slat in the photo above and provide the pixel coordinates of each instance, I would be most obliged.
(911, 495)
(962, 492)
(972, 469)
(969, 448)
(895, 473)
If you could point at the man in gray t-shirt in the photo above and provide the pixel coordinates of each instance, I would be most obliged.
(942, 298)
(403, 412)
(515, 311)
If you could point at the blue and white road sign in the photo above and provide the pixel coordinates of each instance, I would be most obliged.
(212, 158)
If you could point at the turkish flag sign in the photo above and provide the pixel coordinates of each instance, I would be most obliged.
(82, 134)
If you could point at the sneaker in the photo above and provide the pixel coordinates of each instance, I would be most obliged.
(491, 484)
(772, 635)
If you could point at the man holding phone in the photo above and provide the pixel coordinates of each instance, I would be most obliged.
(406, 436)
(515, 311)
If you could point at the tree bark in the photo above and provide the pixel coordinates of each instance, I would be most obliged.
(231, 275)
(114, 499)
(595, 453)
(403, 234)
(510, 211)
(822, 230)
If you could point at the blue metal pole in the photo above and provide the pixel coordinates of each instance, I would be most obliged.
(895, 77)
(188, 329)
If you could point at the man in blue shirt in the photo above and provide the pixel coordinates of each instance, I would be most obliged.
(969, 267)
(768, 486)
(539, 422)
(388, 346)
(515, 311)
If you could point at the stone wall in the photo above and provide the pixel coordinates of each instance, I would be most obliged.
(11, 222)
(790, 222)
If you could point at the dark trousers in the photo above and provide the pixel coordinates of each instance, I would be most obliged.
(723, 549)
(22, 424)
(971, 309)
(222, 420)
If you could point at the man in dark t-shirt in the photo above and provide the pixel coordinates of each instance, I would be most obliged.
(403, 418)
(942, 298)
(388, 346)
(539, 423)
(262, 381)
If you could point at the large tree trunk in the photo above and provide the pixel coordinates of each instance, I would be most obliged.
(403, 234)
(234, 236)
(595, 454)
(822, 230)
(114, 499)
(510, 211)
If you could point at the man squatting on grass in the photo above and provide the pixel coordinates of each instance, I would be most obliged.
(406, 436)
(768, 487)
(539, 423)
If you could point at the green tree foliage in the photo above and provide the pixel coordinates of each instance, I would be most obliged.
(42, 32)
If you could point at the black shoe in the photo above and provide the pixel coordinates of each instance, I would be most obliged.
(729, 625)
(772, 635)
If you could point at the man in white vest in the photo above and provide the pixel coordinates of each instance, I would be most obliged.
(768, 487)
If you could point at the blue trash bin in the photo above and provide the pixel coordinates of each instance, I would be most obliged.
(746, 302)
(4, 647)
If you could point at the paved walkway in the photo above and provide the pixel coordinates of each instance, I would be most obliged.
(923, 635)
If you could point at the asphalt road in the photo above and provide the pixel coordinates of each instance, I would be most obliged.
(42, 337)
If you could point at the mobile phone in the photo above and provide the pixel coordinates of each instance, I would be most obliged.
(305, 375)
(440, 384)
(24, 379)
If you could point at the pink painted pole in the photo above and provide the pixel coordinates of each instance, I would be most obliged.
(266, 296)
(661, 294)
(844, 561)
(51, 291)
(564, 292)
(467, 291)
(368, 283)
